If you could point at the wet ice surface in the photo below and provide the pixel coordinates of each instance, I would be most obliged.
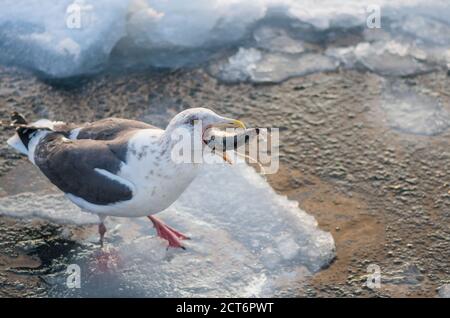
(413, 112)
(35, 34)
(246, 241)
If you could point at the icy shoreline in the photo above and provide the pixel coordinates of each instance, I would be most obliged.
(256, 41)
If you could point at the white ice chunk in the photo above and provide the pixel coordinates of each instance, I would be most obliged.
(178, 23)
(257, 66)
(425, 28)
(386, 58)
(37, 34)
(277, 40)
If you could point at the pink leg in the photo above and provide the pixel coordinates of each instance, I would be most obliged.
(101, 231)
(166, 232)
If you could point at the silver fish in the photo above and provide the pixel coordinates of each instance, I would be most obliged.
(220, 140)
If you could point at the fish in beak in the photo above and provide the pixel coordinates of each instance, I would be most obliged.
(227, 123)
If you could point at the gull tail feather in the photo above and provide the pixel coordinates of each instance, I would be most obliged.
(24, 132)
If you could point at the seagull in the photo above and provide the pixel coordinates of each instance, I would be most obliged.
(117, 167)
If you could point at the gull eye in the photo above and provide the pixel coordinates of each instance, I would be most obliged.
(192, 121)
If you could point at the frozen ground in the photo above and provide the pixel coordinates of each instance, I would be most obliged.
(381, 191)
(247, 241)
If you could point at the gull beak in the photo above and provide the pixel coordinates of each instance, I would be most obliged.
(229, 123)
(237, 124)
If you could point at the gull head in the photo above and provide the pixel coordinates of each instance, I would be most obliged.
(196, 121)
(186, 133)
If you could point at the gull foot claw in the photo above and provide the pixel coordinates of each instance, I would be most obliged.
(166, 232)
